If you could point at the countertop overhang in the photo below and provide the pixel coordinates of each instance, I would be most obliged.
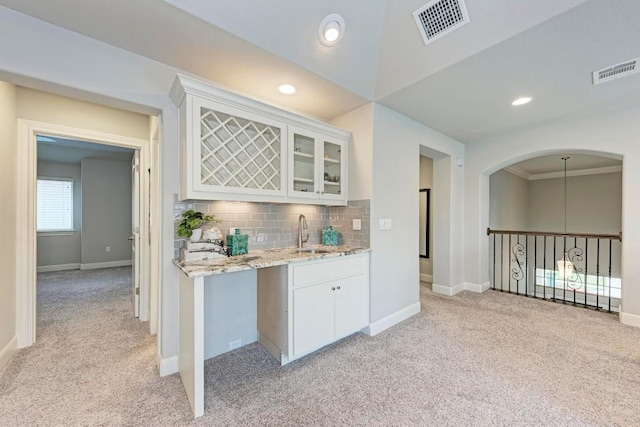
(262, 259)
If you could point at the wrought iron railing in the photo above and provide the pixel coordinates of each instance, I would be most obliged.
(581, 269)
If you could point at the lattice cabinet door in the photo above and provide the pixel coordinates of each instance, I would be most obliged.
(237, 151)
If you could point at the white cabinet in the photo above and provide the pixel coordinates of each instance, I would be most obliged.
(317, 166)
(330, 301)
(326, 312)
(326, 300)
(236, 148)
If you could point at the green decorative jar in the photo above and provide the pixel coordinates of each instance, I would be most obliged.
(238, 244)
(330, 237)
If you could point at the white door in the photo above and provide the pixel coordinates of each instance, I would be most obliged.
(352, 305)
(312, 318)
(135, 230)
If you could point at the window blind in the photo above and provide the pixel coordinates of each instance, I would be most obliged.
(55, 204)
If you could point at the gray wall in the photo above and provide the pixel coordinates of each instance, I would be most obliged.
(509, 201)
(594, 204)
(274, 225)
(54, 248)
(106, 210)
(426, 181)
(8, 158)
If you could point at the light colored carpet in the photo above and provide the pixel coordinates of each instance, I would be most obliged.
(470, 360)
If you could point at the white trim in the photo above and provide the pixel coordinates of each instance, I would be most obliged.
(26, 212)
(56, 233)
(58, 267)
(168, 366)
(108, 264)
(393, 319)
(476, 287)
(447, 290)
(8, 350)
(630, 319)
(514, 170)
(580, 172)
(426, 277)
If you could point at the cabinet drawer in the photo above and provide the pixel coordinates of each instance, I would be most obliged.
(333, 269)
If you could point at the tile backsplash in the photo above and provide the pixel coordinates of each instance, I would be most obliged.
(275, 225)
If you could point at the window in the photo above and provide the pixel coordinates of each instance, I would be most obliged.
(55, 204)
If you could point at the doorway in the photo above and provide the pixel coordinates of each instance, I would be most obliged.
(87, 209)
(28, 132)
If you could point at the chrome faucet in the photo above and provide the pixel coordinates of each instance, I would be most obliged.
(302, 224)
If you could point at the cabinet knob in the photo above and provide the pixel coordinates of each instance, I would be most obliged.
(338, 287)
(317, 192)
(333, 288)
(322, 192)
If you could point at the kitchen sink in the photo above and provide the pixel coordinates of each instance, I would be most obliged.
(316, 250)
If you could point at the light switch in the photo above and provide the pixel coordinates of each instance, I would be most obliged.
(385, 224)
(357, 224)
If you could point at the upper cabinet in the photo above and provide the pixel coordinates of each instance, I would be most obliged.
(317, 167)
(236, 148)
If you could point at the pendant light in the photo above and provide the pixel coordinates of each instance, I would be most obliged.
(565, 266)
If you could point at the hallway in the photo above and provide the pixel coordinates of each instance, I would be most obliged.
(93, 362)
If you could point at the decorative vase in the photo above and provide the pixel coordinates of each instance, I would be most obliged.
(196, 235)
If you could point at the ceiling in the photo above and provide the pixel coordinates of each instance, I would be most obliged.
(60, 150)
(460, 85)
(555, 163)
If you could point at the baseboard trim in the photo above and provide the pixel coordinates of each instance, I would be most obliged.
(476, 287)
(447, 290)
(168, 366)
(108, 264)
(630, 319)
(58, 267)
(393, 319)
(7, 351)
(426, 278)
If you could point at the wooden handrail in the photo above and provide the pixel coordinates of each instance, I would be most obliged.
(550, 233)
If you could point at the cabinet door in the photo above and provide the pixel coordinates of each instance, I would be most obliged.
(333, 169)
(303, 169)
(351, 305)
(313, 318)
(236, 151)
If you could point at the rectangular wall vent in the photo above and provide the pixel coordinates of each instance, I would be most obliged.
(439, 17)
(616, 71)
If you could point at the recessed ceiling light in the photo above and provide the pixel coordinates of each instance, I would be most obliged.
(521, 101)
(287, 89)
(331, 29)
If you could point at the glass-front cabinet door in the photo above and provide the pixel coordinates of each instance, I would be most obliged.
(303, 176)
(317, 166)
(333, 168)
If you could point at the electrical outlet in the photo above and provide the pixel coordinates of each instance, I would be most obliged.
(357, 224)
(235, 344)
(108, 249)
(385, 224)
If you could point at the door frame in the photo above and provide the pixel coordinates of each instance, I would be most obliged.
(26, 258)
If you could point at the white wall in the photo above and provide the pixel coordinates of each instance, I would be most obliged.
(426, 181)
(69, 64)
(53, 248)
(616, 133)
(594, 204)
(392, 181)
(509, 206)
(8, 159)
(360, 123)
(106, 211)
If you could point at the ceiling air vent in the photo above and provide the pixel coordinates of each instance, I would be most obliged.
(440, 17)
(616, 71)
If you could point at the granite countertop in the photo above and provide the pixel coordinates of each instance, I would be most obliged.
(263, 258)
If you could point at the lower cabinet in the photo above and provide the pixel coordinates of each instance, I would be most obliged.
(325, 312)
(327, 300)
